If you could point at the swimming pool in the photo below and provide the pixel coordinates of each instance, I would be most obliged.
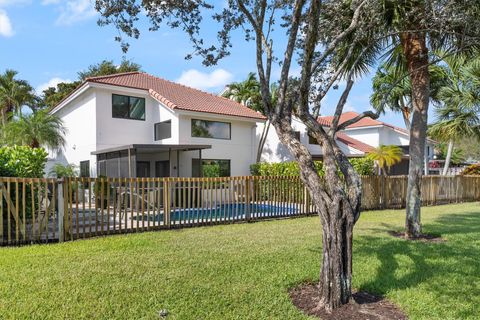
(223, 212)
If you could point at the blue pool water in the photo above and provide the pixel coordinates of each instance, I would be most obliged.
(221, 212)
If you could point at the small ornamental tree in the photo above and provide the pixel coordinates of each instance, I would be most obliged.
(330, 41)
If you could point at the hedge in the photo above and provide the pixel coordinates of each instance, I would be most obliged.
(363, 166)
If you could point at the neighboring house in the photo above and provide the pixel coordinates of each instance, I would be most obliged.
(355, 141)
(137, 125)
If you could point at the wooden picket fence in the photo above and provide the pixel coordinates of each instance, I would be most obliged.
(46, 210)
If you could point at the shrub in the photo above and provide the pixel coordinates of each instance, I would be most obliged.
(63, 171)
(22, 161)
(473, 169)
(363, 166)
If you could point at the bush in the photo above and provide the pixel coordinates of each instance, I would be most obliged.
(63, 171)
(363, 166)
(22, 161)
(473, 170)
(289, 168)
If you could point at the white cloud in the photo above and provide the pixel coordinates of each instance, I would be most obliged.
(72, 11)
(51, 83)
(202, 80)
(6, 28)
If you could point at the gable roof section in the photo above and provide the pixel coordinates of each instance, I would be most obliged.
(365, 122)
(353, 143)
(176, 96)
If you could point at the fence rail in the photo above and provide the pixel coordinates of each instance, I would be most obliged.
(43, 210)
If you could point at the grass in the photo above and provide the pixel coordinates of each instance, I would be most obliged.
(243, 271)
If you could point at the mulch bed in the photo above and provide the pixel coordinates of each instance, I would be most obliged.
(423, 237)
(365, 307)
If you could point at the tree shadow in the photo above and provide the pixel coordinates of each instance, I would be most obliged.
(447, 269)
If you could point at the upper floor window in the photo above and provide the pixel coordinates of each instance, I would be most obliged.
(126, 107)
(163, 130)
(211, 129)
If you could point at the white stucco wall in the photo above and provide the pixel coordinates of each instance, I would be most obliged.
(240, 149)
(370, 136)
(275, 151)
(79, 118)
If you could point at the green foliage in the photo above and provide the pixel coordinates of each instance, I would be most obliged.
(457, 154)
(473, 170)
(39, 128)
(63, 171)
(53, 95)
(363, 166)
(14, 94)
(386, 156)
(22, 161)
(211, 170)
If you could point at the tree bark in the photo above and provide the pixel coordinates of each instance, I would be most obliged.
(263, 139)
(416, 54)
(448, 158)
(337, 202)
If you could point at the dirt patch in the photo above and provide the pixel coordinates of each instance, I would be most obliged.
(423, 237)
(364, 307)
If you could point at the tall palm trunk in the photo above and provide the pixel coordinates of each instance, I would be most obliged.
(448, 158)
(416, 54)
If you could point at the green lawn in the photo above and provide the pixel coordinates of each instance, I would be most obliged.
(243, 271)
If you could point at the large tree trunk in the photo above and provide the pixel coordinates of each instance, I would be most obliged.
(416, 54)
(336, 271)
(338, 207)
(263, 139)
(448, 158)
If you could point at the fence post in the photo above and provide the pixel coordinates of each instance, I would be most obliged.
(61, 211)
(247, 198)
(166, 203)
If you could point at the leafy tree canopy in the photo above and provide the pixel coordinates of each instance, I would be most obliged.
(53, 95)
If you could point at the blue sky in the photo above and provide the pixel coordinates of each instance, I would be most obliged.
(48, 41)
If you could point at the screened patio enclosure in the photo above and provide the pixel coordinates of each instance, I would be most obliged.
(145, 160)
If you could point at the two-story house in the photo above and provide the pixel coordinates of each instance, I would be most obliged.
(137, 125)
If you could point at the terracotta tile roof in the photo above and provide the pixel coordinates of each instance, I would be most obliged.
(177, 96)
(365, 122)
(354, 143)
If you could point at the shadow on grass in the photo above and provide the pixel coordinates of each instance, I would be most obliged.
(448, 270)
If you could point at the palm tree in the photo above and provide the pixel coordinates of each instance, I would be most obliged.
(35, 130)
(247, 93)
(407, 33)
(386, 156)
(14, 94)
(392, 89)
(458, 111)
